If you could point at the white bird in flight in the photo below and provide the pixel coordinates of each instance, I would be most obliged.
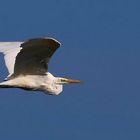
(27, 63)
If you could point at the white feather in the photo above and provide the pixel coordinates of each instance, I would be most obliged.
(10, 51)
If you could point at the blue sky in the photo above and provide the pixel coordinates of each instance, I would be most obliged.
(100, 45)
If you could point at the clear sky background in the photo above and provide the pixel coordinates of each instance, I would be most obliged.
(101, 46)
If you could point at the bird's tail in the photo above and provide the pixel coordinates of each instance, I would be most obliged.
(6, 84)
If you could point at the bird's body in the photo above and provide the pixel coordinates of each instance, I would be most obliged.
(46, 83)
(27, 64)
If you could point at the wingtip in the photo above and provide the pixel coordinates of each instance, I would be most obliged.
(53, 40)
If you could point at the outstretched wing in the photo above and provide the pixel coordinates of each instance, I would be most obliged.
(34, 56)
(10, 51)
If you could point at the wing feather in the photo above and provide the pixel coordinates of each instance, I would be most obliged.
(34, 56)
(10, 51)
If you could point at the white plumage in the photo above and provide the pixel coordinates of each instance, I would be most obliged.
(10, 51)
(27, 63)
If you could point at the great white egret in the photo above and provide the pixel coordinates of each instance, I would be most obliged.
(27, 63)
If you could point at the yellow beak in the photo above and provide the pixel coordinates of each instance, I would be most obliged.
(72, 81)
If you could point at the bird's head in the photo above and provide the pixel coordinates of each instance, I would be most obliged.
(54, 85)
